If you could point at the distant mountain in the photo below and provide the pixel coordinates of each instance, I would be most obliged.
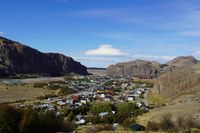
(138, 68)
(183, 61)
(97, 71)
(149, 69)
(16, 58)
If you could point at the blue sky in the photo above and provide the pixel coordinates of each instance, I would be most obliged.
(102, 32)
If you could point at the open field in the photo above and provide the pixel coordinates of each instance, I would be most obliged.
(12, 93)
(13, 90)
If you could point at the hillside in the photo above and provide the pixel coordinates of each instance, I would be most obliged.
(135, 68)
(180, 89)
(150, 69)
(178, 82)
(16, 58)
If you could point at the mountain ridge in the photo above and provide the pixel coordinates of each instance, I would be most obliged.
(16, 58)
(149, 69)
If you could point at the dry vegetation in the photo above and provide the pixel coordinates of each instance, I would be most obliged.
(20, 92)
(179, 93)
(29, 90)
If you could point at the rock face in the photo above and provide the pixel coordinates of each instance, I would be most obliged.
(16, 58)
(149, 69)
(138, 68)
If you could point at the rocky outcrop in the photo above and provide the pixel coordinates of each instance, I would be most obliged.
(138, 68)
(16, 58)
(183, 61)
(149, 69)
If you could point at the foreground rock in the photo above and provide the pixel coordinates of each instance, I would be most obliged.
(16, 58)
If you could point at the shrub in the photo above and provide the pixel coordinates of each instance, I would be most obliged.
(70, 116)
(9, 119)
(100, 128)
(128, 122)
(167, 123)
(181, 122)
(153, 126)
(39, 85)
(101, 107)
(31, 121)
(108, 118)
(190, 122)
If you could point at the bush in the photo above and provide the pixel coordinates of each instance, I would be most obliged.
(167, 123)
(100, 128)
(94, 119)
(190, 122)
(153, 126)
(39, 85)
(101, 107)
(9, 119)
(128, 122)
(31, 121)
(70, 116)
(181, 122)
(108, 118)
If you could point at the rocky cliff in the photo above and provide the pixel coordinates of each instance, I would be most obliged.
(16, 58)
(150, 69)
(138, 68)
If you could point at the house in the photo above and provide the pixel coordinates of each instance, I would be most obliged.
(139, 104)
(78, 104)
(75, 98)
(131, 98)
(79, 117)
(51, 108)
(82, 121)
(61, 103)
(83, 101)
(108, 98)
(103, 95)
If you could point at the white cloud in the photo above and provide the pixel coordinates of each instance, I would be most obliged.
(105, 50)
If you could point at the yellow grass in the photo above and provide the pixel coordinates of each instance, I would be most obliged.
(13, 93)
(156, 99)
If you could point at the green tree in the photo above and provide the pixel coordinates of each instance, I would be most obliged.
(101, 107)
(9, 119)
(30, 122)
(71, 116)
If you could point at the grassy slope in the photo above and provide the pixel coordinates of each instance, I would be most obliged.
(21, 92)
(180, 90)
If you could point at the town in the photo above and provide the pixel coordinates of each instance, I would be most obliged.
(92, 98)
